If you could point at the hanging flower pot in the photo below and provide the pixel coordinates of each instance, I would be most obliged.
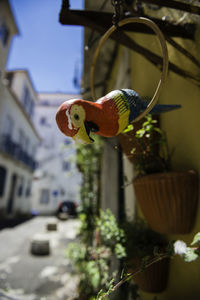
(141, 242)
(153, 279)
(168, 200)
(128, 142)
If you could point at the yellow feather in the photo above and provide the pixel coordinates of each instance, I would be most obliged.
(123, 121)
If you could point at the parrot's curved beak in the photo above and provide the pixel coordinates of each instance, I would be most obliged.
(83, 135)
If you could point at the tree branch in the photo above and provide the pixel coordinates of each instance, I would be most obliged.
(130, 276)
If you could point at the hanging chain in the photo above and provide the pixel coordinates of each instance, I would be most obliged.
(65, 4)
(123, 8)
(118, 14)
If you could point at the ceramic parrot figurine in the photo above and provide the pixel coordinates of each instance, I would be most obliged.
(108, 116)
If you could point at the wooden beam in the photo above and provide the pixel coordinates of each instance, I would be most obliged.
(190, 8)
(103, 20)
(152, 57)
(120, 37)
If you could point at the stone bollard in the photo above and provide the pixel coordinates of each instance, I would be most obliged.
(51, 226)
(40, 245)
(63, 216)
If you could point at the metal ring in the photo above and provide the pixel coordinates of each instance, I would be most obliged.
(157, 31)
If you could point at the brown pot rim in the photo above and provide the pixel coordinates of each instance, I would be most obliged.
(164, 175)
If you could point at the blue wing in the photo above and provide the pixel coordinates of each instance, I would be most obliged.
(138, 105)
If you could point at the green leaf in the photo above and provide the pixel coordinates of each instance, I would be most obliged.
(158, 130)
(129, 128)
(190, 255)
(133, 150)
(196, 239)
(144, 262)
(155, 251)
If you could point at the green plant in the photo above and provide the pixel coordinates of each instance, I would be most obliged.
(88, 160)
(151, 154)
(141, 240)
(93, 262)
(87, 227)
(92, 265)
(110, 234)
(178, 247)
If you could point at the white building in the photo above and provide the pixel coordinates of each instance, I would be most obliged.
(18, 137)
(56, 178)
(18, 142)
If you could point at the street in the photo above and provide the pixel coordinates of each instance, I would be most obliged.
(24, 276)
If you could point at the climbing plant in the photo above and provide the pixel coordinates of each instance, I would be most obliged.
(89, 164)
(187, 253)
(94, 263)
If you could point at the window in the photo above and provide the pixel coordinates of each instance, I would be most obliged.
(34, 150)
(66, 166)
(62, 192)
(3, 174)
(27, 144)
(44, 198)
(29, 107)
(21, 187)
(55, 193)
(67, 141)
(4, 34)
(22, 139)
(8, 126)
(32, 106)
(43, 121)
(26, 99)
(45, 102)
(28, 190)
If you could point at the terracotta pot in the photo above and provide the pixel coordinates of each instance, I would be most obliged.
(168, 200)
(153, 279)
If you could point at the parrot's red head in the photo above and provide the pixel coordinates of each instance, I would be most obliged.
(71, 120)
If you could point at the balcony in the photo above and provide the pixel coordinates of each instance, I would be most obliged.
(8, 146)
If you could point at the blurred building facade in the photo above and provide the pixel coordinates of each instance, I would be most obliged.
(56, 178)
(18, 137)
(24, 114)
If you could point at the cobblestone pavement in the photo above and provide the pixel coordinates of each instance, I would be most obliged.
(24, 276)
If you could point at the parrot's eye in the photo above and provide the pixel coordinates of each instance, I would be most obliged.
(76, 117)
(77, 114)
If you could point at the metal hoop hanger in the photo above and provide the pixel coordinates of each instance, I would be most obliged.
(157, 31)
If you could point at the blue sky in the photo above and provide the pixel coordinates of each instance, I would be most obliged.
(46, 48)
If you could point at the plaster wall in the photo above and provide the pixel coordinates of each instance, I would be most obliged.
(182, 128)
